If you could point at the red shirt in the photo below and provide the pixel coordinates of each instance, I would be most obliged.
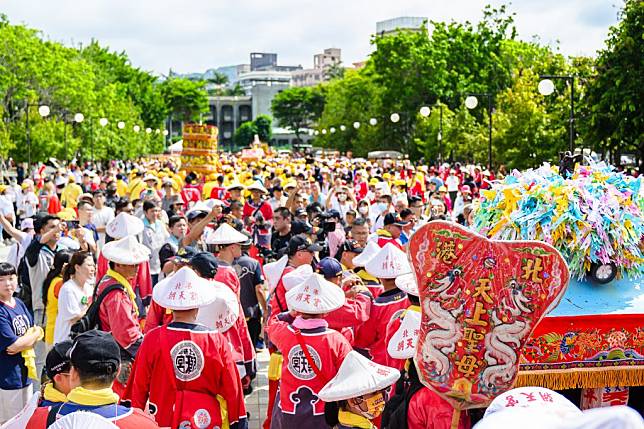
(162, 358)
(348, 318)
(265, 209)
(372, 335)
(427, 410)
(142, 283)
(117, 315)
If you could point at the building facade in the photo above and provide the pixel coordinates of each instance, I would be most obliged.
(319, 73)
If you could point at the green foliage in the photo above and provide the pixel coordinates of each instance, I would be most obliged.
(185, 99)
(615, 93)
(89, 80)
(245, 134)
(263, 127)
(298, 108)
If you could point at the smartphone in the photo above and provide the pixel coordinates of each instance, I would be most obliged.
(72, 224)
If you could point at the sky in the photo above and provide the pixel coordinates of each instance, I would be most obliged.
(195, 35)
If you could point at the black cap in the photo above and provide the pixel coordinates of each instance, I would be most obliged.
(299, 242)
(57, 360)
(300, 212)
(301, 227)
(185, 254)
(95, 347)
(352, 246)
(333, 213)
(394, 219)
(205, 264)
(192, 215)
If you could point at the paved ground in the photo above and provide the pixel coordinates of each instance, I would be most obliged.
(257, 401)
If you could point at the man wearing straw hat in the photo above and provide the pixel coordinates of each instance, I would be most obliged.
(184, 370)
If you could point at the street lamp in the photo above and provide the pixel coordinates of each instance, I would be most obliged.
(425, 111)
(373, 121)
(316, 132)
(342, 128)
(136, 128)
(120, 125)
(395, 117)
(356, 125)
(323, 130)
(471, 102)
(79, 117)
(43, 111)
(332, 130)
(547, 87)
(148, 130)
(165, 133)
(103, 122)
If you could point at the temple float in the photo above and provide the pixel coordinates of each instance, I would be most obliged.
(593, 215)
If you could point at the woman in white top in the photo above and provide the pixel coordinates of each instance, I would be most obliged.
(75, 294)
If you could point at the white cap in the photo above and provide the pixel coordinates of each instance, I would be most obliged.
(212, 202)
(126, 251)
(235, 184)
(273, 272)
(223, 312)
(226, 234)
(389, 263)
(315, 296)
(60, 180)
(123, 225)
(402, 344)
(358, 376)
(368, 252)
(27, 223)
(297, 276)
(545, 400)
(150, 177)
(184, 290)
(199, 206)
(257, 186)
(407, 284)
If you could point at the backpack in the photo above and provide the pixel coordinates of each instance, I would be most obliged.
(394, 415)
(24, 284)
(91, 319)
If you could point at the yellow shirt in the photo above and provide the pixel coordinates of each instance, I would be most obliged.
(121, 188)
(207, 189)
(135, 192)
(52, 308)
(69, 196)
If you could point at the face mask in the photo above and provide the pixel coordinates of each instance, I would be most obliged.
(363, 210)
(374, 406)
(342, 197)
(381, 207)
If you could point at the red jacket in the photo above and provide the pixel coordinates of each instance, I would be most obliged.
(118, 316)
(188, 366)
(372, 335)
(427, 410)
(328, 349)
(348, 318)
(265, 209)
(157, 316)
(277, 303)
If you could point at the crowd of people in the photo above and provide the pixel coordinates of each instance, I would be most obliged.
(142, 293)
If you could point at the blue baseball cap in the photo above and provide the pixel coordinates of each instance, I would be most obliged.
(329, 267)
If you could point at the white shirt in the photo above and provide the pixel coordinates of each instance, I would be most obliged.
(6, 208)
(100, 219)
(452, 183)
(28, 204)
(72, 303)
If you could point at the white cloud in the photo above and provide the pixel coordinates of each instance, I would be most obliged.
(193, 35)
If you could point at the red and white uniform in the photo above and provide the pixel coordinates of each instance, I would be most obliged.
(157, 316)
(142, 283)
(297, 404)
(123, 417)
(382, 240)
(264, 208)
(188, 367)
(237, 335)
(372, 335)
(118, 316)
(277, 303)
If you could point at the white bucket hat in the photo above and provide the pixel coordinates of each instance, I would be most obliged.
(407, 284)
(199, 206)
(257, 186)
(389, 263)
(68, 243)
(226, 234)
(315, 296)
(402, 344)
(126, 251)
(149, 177)
(235, 185)
(369, 252)
(124, 224)
(297, 276)
(358, 376)
(273, 272)
(223, 312)
(184, 290)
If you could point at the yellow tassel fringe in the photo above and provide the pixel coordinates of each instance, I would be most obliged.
(572, 378)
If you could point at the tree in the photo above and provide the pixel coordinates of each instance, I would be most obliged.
(298, 108)
(615, 95)
(184, 98)
(235, 91)
(218, 78)
(245, 134)
(263, 128)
